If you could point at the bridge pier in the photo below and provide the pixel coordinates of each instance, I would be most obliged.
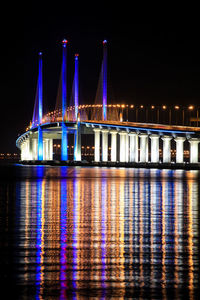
(34, 149)
(97, 144)
(23, 150)
(77, 143)
(166, 148)
(144, 147)
(133, 155)
(127, 146)
(194, 143)
(179, 149)
(154, 148)
(113, 145)
(48, 149)
(30, 146)
(123, 145)
(105, 145)
(45, 148)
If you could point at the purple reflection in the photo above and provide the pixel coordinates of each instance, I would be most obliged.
(75, 231)
(63, 234)
(103, 230)
(38, 234)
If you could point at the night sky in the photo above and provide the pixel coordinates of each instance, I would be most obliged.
(151, 59)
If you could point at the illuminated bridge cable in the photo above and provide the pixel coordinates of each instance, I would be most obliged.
(35, 110)
(38, 106)
(74, 99)
(58, 106)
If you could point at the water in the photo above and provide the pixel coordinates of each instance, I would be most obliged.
(76, 233)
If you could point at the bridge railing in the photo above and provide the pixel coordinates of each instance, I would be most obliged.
(170, 115)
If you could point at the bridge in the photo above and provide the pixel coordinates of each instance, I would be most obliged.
(116, 133)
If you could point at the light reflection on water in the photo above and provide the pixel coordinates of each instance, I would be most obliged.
(106, 232)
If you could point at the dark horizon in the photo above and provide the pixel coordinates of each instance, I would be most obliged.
(148, 62)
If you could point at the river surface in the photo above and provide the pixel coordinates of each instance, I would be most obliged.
(100, 233)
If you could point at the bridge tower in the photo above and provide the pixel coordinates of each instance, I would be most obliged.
(77, 133)
(40, 109)
(64, 142)
(104, 74)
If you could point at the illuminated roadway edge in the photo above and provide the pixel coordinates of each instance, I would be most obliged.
(174, 130)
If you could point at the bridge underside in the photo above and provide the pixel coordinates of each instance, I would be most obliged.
(112, 142)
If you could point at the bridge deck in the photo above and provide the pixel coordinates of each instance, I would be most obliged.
(147, 126)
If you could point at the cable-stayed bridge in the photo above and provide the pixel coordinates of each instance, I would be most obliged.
(117, 133)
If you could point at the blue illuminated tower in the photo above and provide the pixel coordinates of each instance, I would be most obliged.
(40, 109)
(64, 142)
(77, 133)
(104, 73)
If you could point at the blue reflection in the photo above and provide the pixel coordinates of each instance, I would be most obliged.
(63, 231)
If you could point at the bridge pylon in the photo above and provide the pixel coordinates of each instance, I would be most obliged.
(64, 141)
(104, 79)
(40, 110)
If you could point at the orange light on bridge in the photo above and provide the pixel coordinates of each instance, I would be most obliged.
(141, 106)
(176, 107)
(191, 107)
(164, 107)
(152, 106)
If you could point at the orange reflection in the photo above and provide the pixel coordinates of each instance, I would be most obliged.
(116, 229)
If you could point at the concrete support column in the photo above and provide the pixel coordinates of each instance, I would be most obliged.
(25, 150)
(127, 147)
(105, 145)
(45, 149)
(122, 154)
(34, 149)
(50, 149)
(30, 148)
(194, 153)
(77, 143)
(143, 147)
(97, 144)
(26, 156)
(179, 149)
(166, 148)
(154, 148)
(22, 150)
(133, 153)
(113, 145)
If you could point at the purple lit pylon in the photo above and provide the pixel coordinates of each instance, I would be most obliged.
(76, 89)
(40, 109)
(40, 90)
(64, 142)
(77, 132)
(104, 73)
